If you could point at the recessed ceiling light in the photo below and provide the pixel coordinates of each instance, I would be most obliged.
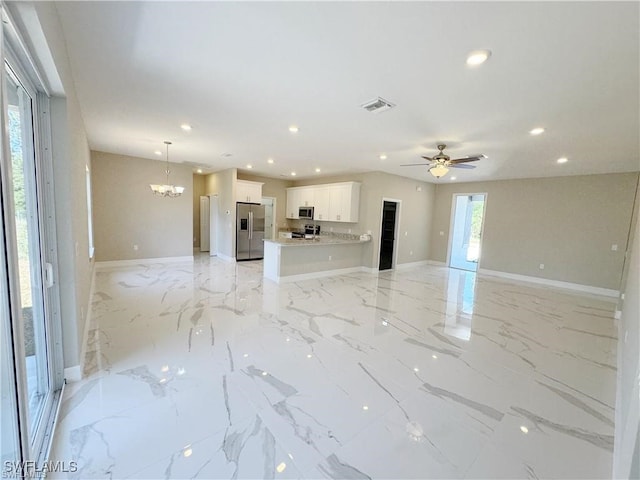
(249, 166)
(293, 129)
(562, 160)
(536, 131)
(317, 170)
(524, 429)
(158, 152)
(478, 57)
(453, 178)
(383, 157)
(199, 170)
(293, 174)
(365, 407)
(186, 127)
(434, 356)
(270, 160)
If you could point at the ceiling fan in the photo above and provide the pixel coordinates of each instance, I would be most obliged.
(440, 163)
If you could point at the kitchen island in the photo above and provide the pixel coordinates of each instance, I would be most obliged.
(292, 259)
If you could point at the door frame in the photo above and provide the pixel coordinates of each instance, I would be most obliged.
(396, 237)
(452, 221)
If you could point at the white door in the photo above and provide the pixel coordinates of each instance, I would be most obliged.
(204, 224)
(213, 225)
(269, 217)
(466, 231)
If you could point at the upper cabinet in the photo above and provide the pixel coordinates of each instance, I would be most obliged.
(344, 202)
(293, 202)
(332, 202)
(247, 191)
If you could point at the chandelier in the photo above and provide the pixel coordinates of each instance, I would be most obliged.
(166, 190)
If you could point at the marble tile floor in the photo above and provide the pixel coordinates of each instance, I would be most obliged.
(204, 370)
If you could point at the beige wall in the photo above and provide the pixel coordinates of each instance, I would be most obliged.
(126, 213)
(566, 223)
(415, 214)
(223, 184)
(198, 190)
(276, 188)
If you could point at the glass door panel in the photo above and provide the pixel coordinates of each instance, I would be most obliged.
(27, 238)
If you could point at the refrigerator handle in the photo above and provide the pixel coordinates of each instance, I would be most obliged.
(250, 225)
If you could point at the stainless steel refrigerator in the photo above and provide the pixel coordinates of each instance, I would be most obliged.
(250, 231)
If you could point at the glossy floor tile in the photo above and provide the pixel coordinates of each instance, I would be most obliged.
(204, 370)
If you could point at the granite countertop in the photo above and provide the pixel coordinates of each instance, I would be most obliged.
(321, 240)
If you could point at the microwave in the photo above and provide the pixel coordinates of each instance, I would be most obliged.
(305, 213)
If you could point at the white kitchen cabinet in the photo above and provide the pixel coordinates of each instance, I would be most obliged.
(247, 191)
(293, 202)
(344, 202)
(332, 202)
(321, 202)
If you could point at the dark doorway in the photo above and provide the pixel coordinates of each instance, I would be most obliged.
(387, 237)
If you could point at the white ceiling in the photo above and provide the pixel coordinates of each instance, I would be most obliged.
(242, 73)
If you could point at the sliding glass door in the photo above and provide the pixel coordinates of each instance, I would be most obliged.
(26, 232)
(30, 338)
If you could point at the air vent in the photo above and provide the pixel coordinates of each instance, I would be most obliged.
(378, 105)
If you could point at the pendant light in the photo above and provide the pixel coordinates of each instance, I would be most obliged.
(166, 190)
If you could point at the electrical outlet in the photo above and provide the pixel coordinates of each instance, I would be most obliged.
(441, 233)
(614, 247)
(411, 252)
(542, 266)
(622, 296)
(330, 257)
(406, 233)
(349, 231)
(135, 247)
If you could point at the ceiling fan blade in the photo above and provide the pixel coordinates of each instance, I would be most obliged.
(428, 158)
(415, 164)
(470, 158)
(469, 167)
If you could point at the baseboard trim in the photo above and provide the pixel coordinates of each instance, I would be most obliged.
(553, 283)
(371, 270)
(419, 263)
(73, 374)
(312, 275)
(226, 258)
(139, 261)
(436, 263)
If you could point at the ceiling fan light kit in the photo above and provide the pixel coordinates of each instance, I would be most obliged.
(438, 171)
(166, 190)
